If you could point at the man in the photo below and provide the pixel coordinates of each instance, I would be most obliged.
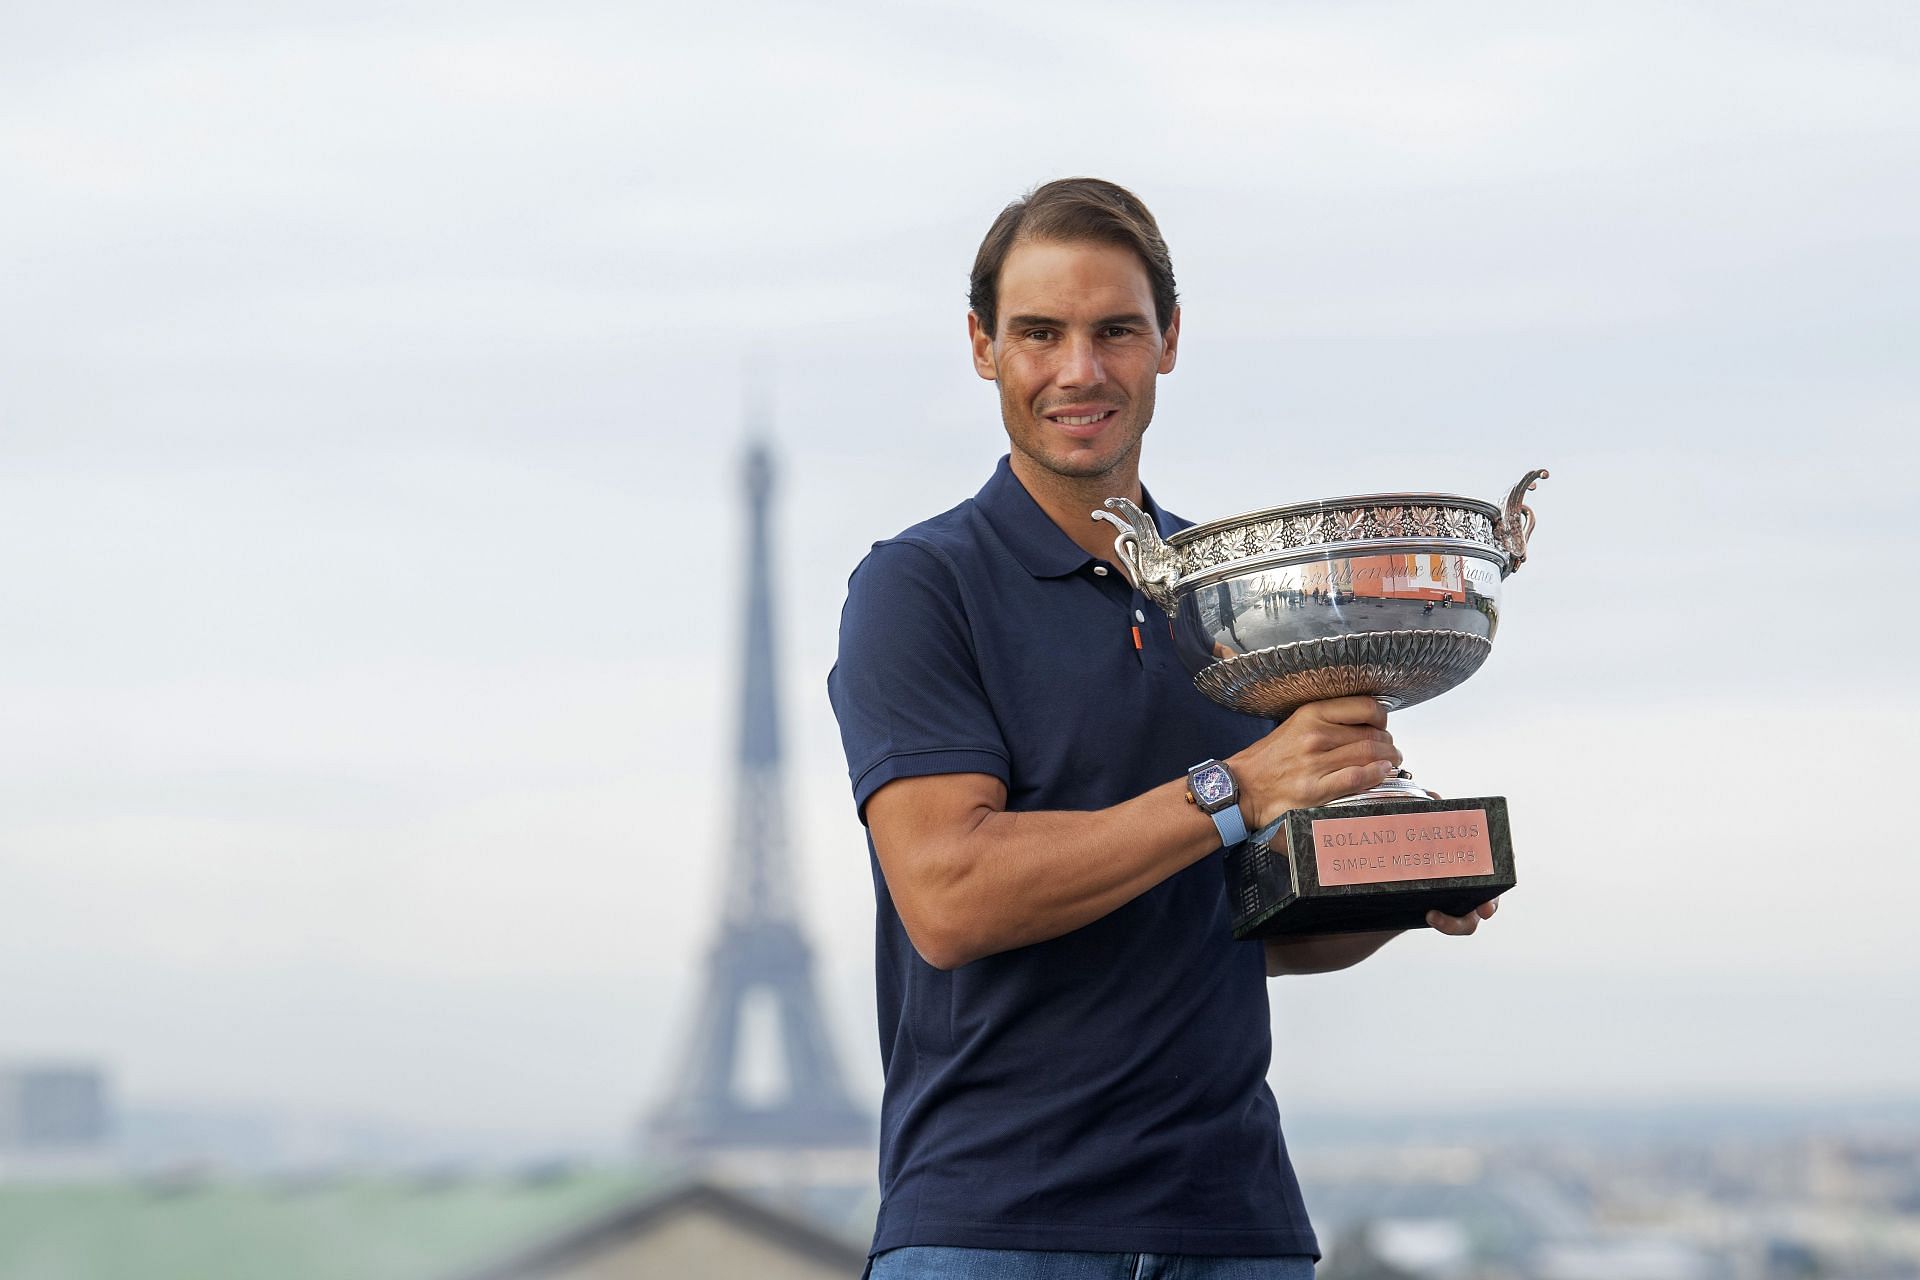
(1075, 1047)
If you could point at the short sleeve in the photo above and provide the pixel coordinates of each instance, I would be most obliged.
(906, 687)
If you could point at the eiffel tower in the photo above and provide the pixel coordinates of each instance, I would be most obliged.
(760, 951)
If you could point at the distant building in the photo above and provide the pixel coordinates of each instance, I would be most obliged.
(694, 1230)
(54, 1118)
(542, 1224)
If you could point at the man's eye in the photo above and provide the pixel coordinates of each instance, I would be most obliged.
(1118, 331)
(1039, 335)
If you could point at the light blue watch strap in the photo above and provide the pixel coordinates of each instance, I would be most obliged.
(1233, 827)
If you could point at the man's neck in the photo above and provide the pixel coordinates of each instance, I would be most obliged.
(1070, 502)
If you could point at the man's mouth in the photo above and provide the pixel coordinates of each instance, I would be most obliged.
(1081, 418)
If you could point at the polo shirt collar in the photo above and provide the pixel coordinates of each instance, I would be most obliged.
(1041, 546)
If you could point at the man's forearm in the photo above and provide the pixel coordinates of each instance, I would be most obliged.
(970, 879)
(1013, 879)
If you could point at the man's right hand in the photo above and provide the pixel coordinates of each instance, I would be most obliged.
(1321, 752)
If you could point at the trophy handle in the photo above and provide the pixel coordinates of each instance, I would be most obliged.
(1516, 521)
(1148, 561)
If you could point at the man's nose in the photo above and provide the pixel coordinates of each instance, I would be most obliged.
(1080, 363)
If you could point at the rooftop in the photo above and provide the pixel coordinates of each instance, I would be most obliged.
(345, 1228)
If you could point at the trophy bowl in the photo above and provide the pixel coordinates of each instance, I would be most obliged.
(1393, 596)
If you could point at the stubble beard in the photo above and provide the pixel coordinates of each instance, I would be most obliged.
(1078, 473)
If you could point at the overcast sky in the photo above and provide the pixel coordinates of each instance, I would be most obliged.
(371, 397)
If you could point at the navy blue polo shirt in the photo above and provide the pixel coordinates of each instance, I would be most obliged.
(1104, 1090)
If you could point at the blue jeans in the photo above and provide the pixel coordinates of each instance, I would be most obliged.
(920, 1262)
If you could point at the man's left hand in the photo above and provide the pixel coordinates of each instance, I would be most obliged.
(1461, 926)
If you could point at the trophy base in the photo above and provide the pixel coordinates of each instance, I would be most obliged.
(1359, 867)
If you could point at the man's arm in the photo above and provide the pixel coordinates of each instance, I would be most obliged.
(1326, 953)
(971, 879)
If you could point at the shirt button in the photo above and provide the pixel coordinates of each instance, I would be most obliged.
(1139, 616)
(1100, 569)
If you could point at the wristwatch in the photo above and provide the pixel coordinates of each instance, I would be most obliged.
(1211, 785)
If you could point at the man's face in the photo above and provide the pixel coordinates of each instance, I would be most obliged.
(1076, 354)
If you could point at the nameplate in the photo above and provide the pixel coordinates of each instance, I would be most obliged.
(1410, 846)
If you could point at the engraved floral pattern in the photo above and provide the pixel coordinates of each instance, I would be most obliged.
(1263, 537)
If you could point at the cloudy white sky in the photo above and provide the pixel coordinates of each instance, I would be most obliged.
(371, 394)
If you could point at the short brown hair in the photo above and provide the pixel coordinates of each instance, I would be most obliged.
(1072, 209)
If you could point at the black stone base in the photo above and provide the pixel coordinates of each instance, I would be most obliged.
(1274, 884)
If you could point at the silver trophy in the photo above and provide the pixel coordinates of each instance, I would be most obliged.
(1395, 596)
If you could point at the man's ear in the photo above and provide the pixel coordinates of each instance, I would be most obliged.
(983, 362)
(1171, 350)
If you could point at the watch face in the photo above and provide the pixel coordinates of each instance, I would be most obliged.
(1212, 786)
